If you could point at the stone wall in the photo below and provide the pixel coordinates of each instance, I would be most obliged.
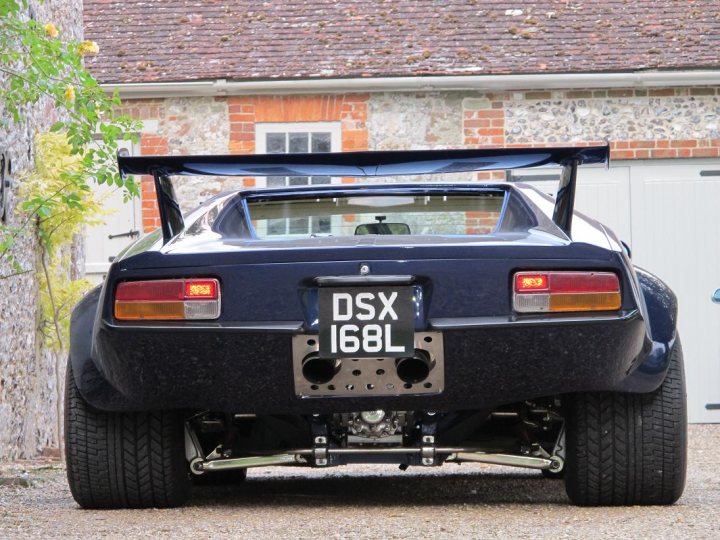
(649, 120)
(640, 124)
(28, 391)
(415, 121)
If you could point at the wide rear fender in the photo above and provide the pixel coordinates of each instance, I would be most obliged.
(661, 316)
(92, 385)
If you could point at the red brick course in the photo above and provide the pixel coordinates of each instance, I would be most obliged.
(480, 222)
(150, 145)
(484, 127)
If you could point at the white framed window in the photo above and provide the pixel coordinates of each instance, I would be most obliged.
(290, 138)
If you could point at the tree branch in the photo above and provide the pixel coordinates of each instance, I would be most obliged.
(58, 354)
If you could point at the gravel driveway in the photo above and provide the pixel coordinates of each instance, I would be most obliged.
(378, 501)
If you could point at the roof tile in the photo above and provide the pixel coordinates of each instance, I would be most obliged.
(186, 40)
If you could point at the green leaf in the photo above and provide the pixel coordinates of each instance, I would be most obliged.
(8, 7)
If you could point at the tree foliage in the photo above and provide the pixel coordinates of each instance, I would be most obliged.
(39, 65)
(58, 293)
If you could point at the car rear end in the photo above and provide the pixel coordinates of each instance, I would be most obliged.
(337, 323)
(408, 324)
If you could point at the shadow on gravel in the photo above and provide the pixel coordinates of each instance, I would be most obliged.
(385, 491)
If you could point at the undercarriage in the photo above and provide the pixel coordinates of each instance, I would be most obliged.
(529, 434)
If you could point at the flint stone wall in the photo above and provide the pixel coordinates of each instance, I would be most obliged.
(28, 392)
(636, 117)
(653, 123)
(415, 121)
(198, 126)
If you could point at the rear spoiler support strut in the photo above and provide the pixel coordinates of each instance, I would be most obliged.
(565, 198)
(171, 218)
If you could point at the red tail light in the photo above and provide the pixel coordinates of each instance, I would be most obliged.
(166, 299)
(537, 292)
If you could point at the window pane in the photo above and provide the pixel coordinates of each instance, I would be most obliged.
(320, 180)
(275, 227)
(298, 143)
(298, 181)
(275, 143)
(321, 225)
(298, 225)
(320, 142)
(275, 181)
(380, 214)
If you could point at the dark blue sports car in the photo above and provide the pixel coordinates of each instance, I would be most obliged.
(414, 324)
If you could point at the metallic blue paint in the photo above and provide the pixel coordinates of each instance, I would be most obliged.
(661, 306)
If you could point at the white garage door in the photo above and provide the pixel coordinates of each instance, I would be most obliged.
(667, 211)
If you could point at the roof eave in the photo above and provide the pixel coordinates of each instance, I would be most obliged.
(544, 81)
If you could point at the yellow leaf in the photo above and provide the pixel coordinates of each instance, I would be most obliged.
(70, 92)
(51, 30)
(88, 47)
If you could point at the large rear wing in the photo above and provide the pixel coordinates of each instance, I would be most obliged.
(360, 165)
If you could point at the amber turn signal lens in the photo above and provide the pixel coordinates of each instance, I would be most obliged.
(149, 310)
(585, 302)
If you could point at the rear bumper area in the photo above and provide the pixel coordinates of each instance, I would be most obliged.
(487, 363)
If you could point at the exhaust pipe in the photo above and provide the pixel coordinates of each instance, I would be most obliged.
(319, 370)
(415, 369)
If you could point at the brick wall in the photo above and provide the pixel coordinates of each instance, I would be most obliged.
(480, 222)
(151, 145)
(641, 124)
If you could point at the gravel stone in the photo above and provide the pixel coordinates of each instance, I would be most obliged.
(374, 501)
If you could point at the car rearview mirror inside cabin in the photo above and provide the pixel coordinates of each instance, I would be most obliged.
(382, 228)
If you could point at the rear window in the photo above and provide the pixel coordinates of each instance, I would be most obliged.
(356, 215)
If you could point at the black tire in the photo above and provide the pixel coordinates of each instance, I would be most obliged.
(629, 449)
(123, 460)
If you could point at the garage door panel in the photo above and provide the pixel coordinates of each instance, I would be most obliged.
(602, 194)
(676, 235)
